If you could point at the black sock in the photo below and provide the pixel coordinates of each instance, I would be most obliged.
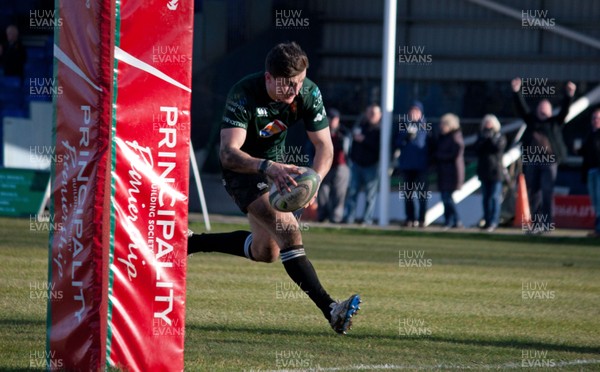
(302, 272)
(236, 243)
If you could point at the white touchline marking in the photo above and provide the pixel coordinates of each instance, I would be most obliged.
(61, 56)
(125, 57)
(378, 367)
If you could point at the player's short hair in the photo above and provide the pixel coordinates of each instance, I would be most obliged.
(286, 60)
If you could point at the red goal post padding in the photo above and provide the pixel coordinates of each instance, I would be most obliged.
(123, 122)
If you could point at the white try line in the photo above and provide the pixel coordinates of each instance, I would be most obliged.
(383, 367)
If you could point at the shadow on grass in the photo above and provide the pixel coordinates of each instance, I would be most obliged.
(548, 239)
(520, 238)
(506, 343)
(23, 322)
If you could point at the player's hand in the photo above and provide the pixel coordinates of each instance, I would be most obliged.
(281, 175)
(516, 84)
(570, 88)
(314, 198)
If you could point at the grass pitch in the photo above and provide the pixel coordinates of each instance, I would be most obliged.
(431, 301)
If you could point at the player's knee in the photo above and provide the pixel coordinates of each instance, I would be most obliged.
(267, 257)
(267, 253)
(271, 257)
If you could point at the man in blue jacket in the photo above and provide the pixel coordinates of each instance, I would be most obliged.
(412, 140)
(365, 158)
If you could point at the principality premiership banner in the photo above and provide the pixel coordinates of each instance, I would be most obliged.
(149, 204)
(77, 256)
(120, 195)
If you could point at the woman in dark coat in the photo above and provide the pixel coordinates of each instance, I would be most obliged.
(450, 166)
(490, 148)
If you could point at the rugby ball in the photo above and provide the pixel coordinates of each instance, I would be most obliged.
(299, 196)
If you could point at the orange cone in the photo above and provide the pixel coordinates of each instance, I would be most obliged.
(522, 212)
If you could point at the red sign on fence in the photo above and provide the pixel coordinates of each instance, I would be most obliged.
(573, 211)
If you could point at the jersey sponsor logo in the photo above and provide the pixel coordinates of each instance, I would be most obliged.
(274, 127)
(232, 105)
(234, 122)
(262, 112)
(320, 116)
(318, 97)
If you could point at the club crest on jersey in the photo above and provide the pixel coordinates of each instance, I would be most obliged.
(274, 127)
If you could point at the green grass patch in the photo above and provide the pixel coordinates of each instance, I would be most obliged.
(467, 301)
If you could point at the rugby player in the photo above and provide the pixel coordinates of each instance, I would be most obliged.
(258, 112)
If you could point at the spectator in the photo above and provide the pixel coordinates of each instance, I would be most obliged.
(332, 193)
(543, 148)
(591, 168)
(450, 166)
(412, 140)
(363, 169)
(12, 53)
(490, 148)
